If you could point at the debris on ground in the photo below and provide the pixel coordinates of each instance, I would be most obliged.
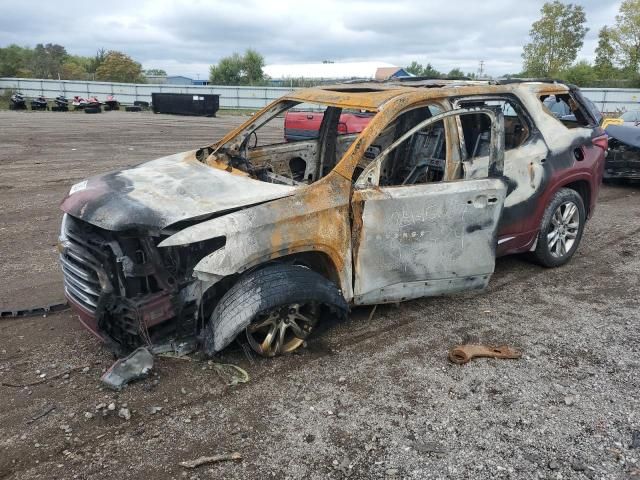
(124, 413)
(464, 353)
(137, 365)
(175, 349)
(635, 439)
(231, 374)
(42, 378)
(44, 413)
(206, 460)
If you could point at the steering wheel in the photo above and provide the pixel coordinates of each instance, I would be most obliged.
(255, 139)
(242, 156)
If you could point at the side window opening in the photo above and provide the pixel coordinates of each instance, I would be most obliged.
(566, 109)
(420, 158)
(476, 130)
(477, 135)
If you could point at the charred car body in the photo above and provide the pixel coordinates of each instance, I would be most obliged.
(264, 237)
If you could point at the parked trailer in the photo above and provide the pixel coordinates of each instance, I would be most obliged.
(185, 104)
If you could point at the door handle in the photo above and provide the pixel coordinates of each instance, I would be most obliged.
(481, 201)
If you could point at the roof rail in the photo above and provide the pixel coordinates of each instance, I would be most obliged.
(507, 81)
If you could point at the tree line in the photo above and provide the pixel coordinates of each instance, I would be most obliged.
(557, 37)
(52, 61)
(555, 40)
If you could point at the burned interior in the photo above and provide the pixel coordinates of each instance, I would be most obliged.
(368, 194)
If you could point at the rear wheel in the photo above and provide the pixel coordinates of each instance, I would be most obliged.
(561, 229)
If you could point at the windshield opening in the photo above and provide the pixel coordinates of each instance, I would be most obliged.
(294, 143)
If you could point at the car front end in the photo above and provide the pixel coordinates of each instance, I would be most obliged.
(126, 289)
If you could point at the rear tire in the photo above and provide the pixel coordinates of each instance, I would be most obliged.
(561, 229)
(262, 298)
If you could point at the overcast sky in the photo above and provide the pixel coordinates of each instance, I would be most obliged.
(186, 37)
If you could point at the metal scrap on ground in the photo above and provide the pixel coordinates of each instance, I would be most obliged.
(137, 365)
(216, 458)
(231, 374)
(464, 353)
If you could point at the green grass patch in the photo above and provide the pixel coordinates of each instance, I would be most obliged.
(5, 99)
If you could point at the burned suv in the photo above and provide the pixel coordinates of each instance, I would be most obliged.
(263, 237)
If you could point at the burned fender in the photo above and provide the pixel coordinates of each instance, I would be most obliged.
(316, 220)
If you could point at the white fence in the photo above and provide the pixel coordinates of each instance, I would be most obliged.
(608, 100)
(613, 100)
(230, 97)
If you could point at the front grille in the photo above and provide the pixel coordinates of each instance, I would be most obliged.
(125, 283)
(84, 276)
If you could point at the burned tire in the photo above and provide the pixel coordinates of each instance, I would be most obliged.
(561, 229)
(276, 306)
(92, 110)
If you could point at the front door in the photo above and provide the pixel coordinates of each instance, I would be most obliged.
(414, 237)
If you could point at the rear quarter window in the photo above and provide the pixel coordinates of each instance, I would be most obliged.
(566, 108)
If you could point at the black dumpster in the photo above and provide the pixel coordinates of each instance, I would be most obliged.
(186, 104)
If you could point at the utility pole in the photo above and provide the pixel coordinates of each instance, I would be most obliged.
(481, 69)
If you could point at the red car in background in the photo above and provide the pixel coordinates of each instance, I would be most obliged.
(306, 125)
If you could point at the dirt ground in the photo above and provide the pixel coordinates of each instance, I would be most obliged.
(366, 399)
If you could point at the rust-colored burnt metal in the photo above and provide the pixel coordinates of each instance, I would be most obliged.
(465, 353)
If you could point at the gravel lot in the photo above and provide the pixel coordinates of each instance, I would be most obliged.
(366, 399)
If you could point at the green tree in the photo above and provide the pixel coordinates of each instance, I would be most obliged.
(581, 74)
(46, 60)
(156, 72)
(119, 67)
(73, 70)
(228, 71)
(555, 39)
(238, 69)
(253, 64)
(605, 53)
(414, 68)
(455, 73)
(95, 62)
(418, 70)
(14, 59)
(626, 36)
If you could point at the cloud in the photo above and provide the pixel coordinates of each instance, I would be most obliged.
(186, 37)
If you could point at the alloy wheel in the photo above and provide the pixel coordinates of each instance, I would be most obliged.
(282, 329)
(563, 229)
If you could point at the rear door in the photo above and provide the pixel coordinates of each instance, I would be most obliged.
(417, 239)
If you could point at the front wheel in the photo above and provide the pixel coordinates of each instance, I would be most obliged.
(561, 229)
(277, 307)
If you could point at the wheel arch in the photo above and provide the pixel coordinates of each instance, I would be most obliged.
(583, 188)
(315, 258)
(267, 284)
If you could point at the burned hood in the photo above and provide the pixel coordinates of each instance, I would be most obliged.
(159, 193)
(624, 134)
